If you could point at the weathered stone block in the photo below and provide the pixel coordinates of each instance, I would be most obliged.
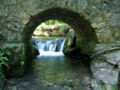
(115, 19)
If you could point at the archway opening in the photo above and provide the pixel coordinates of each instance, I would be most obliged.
(86, 38)
(51, 64)
(51, 36)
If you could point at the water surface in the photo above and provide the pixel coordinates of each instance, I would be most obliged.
(53, 73)
(51, 70)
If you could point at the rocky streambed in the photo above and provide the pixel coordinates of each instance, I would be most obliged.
(53, 73)
(65, 73)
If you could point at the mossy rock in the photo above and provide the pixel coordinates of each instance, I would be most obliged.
(109, 87)
(35, 51)
(105, 86)
(15, 70)
(46, 38)
(15, 60)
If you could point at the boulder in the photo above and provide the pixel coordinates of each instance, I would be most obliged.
(105, 66)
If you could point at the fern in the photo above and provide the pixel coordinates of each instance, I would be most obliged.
(3, 62)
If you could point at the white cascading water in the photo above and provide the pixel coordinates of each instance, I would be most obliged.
(52, 47)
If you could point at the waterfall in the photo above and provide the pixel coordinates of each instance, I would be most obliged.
(62, 45)
(53, 47)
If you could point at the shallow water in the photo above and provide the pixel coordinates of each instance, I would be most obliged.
(53, 73)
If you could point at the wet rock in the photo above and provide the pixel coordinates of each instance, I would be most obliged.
(13, 36)
(82, 5)
(32, 6)
(86, 82)
(115, 19)
(12, 25)
(104, 72)
(105, 67)
(26, 83)
(113, 57)
(35, 51)
(14, 88)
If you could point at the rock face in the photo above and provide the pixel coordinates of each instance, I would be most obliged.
(105, 72)
(104, 15)
(105, 67)
(114, 19)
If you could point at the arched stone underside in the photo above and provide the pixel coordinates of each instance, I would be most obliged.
(86, 36)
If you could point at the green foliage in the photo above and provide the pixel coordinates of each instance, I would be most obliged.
(63, 28)
(0, 28)
(3, 61)
(0, 33)
(52, 28)
(53, 22)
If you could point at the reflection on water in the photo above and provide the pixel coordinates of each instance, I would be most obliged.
(53, 73)
(61, 71)
(51, 70)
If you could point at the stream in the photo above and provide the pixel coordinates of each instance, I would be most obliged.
(51, 70)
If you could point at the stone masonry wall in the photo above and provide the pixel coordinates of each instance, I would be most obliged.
(104, 15)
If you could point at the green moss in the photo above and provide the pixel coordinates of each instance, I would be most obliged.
(16, 60)
(109, 87)
(35, 51)
(115, 87)
(86, 47)
(53, 22)
(92, 63)
(46, 38)
(16, 70)
(28, 53)
(54, 34)
(63, 28)
(78, 42)
(2, 41)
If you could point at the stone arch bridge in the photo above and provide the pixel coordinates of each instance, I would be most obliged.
(94, 21)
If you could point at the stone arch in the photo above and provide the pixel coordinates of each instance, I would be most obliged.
(86, 36)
